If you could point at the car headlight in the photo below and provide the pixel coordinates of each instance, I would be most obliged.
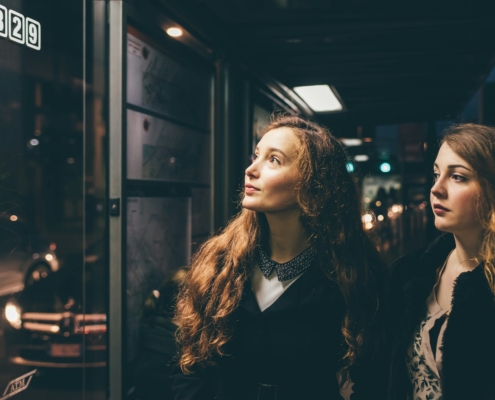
(13, 314)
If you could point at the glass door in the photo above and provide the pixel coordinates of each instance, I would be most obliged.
(53, 266)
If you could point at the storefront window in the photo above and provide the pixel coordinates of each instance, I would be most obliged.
(53, 272)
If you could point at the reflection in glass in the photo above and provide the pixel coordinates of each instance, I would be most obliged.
(53, 274)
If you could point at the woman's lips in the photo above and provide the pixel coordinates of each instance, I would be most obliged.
(248, 188)
(439, 209)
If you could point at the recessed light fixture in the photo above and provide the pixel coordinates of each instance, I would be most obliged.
(350, 142)
(361, 158)
(174, 32)
(319, 98)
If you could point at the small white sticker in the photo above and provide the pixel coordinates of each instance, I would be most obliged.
(33, 33)
(3, 21)
(17, 385)
(16, 27)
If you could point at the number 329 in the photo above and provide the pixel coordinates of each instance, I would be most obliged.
(19, 29)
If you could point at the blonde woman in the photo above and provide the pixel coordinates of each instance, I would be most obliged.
(442, 296)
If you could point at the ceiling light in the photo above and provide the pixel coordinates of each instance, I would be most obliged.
(349, 142)
(319, 97)
(361, 158)
(174, 32)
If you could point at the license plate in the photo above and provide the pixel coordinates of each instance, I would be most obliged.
(65, 350)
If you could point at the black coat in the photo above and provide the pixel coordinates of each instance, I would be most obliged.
(468, 363)
(295, 344)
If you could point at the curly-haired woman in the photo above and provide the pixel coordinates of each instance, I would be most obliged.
(285, 302)
(442, 296)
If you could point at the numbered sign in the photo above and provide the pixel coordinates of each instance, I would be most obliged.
(19, 29)
(16, 27)
(3, 21)
(33, 33)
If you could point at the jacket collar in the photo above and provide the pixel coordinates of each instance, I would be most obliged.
(424, 276)
(419, 287)
(437, 251)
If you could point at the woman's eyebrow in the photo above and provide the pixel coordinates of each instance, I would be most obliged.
(454, 166)
(278, 150)
(458, 166)
(270, 149)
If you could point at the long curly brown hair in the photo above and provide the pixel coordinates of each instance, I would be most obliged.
(476, 144)
(331, 212)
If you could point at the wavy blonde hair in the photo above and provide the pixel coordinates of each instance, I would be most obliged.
(475, 143)
(331, 212)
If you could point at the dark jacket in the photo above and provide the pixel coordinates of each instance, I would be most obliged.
(468, 366)
(296, 345)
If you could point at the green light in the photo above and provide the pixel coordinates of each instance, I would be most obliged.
(350, 167)
(385, 167)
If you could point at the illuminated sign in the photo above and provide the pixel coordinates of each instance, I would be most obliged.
(20, 29)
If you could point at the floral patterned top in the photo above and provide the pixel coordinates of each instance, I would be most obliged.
(424, 356)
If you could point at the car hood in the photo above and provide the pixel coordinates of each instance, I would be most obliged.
(78, 289)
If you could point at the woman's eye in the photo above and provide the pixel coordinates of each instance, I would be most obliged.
(458, 178)
(274, 159)
(435, 176)
(254, 157)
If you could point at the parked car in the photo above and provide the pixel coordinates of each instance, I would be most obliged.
(25, 256)
(60, 321)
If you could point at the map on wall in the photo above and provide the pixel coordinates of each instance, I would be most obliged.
(164, 151)
(158, 242)
(159, 83)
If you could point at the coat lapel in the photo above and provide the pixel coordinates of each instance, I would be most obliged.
(416, 290)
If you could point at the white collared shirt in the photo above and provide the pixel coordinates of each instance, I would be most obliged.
(268, 290)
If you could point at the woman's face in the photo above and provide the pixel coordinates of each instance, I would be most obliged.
(453, 194)
(271, 180)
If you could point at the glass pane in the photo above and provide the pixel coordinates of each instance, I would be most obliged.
(52, 265)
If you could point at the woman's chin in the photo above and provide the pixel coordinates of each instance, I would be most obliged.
(443, 227)
(249, 205)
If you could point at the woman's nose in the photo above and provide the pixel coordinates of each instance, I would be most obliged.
(438, 189)
(251, 170)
